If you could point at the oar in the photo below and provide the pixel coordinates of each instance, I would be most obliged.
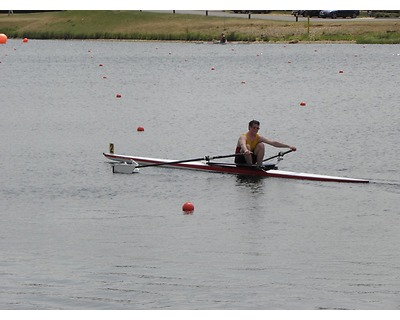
(207, 158)
(280, 154)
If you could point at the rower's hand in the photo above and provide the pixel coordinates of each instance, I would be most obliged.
(247, 152)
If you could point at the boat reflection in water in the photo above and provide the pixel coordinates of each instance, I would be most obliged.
(254, 183)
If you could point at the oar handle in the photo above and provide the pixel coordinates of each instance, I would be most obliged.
(280, 154)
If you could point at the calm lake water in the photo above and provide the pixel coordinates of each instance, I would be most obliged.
(76, 236)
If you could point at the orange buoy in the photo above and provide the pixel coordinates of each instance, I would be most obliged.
(188, 207)
(3, 38)
(25, 40)
(303, 104)
(140, 129)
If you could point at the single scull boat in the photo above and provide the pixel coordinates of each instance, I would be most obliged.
(207, 165)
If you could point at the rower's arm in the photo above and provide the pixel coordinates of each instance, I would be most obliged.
(242, 144)
(276, 144)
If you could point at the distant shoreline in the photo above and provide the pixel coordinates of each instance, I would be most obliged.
(151, 26)
(203, 42)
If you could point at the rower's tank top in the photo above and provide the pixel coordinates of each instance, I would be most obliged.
(251, 143)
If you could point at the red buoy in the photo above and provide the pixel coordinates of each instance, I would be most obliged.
(3, 38)
(140, 129)
(188, 207)
(303, 104)
(118, 95)
(25, 40)
(341, 71)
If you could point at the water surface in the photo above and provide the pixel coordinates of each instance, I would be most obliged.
(76, 236)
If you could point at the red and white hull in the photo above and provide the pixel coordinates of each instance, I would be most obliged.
(231, 168)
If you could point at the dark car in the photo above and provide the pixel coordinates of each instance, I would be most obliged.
(339, 13)
(306, 13)
(310, 13)
(251, 11)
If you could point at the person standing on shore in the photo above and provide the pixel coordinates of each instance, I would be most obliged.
(222, 39)
(251, 146)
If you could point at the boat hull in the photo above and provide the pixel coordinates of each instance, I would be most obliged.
(231, 168)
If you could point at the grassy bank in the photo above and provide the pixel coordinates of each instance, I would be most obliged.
(135, 25)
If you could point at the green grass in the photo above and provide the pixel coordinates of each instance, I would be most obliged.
(136, 25)
(388, 38)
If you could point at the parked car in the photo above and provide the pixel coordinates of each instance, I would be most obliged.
(339, 13)
(306, 13)
(310, 13)
(260, 11)
(251, 11)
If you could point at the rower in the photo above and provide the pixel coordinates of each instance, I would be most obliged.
(251, 147)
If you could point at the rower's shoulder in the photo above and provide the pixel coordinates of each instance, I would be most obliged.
(262, 138)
